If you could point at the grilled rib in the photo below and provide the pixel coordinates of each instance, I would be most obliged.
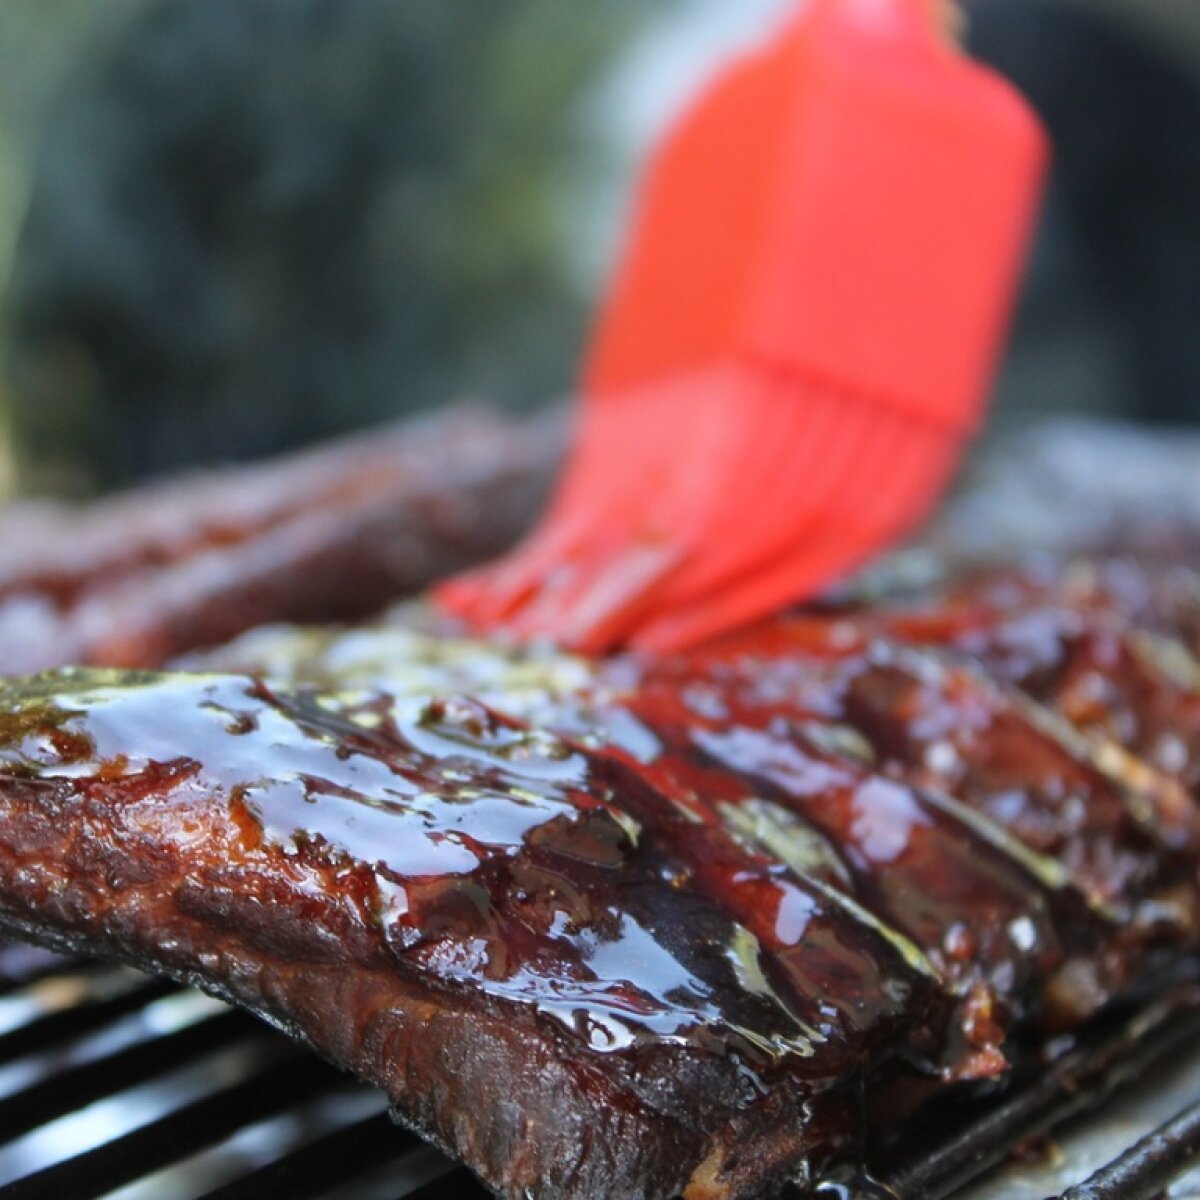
(331, 534)
(484, 920)
(615, 929)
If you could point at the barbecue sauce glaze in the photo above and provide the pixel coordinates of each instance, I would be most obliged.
(803, 852)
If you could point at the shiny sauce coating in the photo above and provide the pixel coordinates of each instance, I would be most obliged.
(482, 853)
(790, 850)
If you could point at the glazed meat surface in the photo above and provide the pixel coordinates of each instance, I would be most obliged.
(619, 929)
(471, 913)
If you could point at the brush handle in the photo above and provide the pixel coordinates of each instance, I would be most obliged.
(852, 202)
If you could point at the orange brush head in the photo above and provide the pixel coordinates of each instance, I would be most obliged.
(798, 342)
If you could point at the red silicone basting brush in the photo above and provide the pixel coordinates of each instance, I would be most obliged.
(798, 343)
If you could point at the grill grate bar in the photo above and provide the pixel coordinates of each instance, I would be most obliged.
(1146, 1169)
(77, 1087)
(31, 999)
(177, 1135)
(82, 1018)
(313, 1169)
(457, 1183)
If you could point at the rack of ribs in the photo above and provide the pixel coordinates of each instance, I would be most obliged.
(334, 533)
(628, 928)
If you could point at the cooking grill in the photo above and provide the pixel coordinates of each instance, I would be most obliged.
(114, 1084)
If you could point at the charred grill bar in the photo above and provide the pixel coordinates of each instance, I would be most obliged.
(1146, 1169)
(207, 1093)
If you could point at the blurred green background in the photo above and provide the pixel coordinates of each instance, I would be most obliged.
(232, 227)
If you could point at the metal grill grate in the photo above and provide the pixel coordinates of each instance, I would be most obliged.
(115, 1085)
(112, 1084)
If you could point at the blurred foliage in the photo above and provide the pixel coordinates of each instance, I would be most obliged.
(247, 224)
(37, 39)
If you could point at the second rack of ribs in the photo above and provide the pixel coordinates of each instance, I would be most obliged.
(632, 928)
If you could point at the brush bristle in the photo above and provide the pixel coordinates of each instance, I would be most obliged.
(700, 504)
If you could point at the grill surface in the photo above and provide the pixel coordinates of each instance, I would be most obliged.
(116, 1085)
(112, 1084)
